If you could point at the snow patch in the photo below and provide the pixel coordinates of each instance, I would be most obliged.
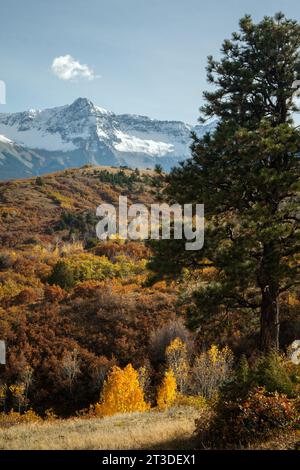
(5, 140)
(130, 143)
(36, 139)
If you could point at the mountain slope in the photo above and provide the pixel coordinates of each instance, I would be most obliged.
(17, 161)
(36, 142)
(35, 207)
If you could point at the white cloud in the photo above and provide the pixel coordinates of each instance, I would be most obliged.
(66, 67)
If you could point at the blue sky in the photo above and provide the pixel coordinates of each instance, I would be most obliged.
(141, 56)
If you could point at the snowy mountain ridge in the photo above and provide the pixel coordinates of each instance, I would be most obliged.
(40, 141)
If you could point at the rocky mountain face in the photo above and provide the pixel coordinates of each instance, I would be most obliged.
(35, 142)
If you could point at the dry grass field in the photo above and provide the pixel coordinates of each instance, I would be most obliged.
(171, 429)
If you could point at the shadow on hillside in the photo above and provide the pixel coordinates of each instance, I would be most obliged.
(176, 444)
(284, 441)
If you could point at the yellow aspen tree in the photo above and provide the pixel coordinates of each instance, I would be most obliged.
(211, 369)
(122, 393)
(177, 360)
(166, 393)
(18, 393)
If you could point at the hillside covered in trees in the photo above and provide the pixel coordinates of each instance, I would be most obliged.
(72, 307)
(98, 328)
(63, 294)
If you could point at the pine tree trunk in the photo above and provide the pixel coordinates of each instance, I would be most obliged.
(268, 281)
(269, 320)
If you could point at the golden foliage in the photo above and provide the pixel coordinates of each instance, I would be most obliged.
(177, 360)
(293, 300)
(166, 393)
(3, 394)
(121, 393)
(13, 417)
(86, 266)
(64, 201)
(211, 369)
(199, 402)
(218, 355)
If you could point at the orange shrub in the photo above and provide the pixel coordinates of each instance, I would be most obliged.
(242, 421)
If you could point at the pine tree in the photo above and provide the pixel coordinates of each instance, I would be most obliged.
(62, 276)
(247, 175)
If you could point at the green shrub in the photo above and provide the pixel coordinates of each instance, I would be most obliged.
(39, 181)
(81, 224)
(62, 276)
(119, 178)
(273, 373)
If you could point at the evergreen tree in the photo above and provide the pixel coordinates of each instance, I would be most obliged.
(158, 169)
(62, 276)
(247, 175)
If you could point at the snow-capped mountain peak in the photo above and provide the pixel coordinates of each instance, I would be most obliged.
(81, 133)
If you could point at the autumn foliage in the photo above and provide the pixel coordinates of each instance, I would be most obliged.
(211, 370)
(177, 361)
(166, 393)
(122, 393)
(83, 327)
(241, 421)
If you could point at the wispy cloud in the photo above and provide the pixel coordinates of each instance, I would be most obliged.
(66, 67)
